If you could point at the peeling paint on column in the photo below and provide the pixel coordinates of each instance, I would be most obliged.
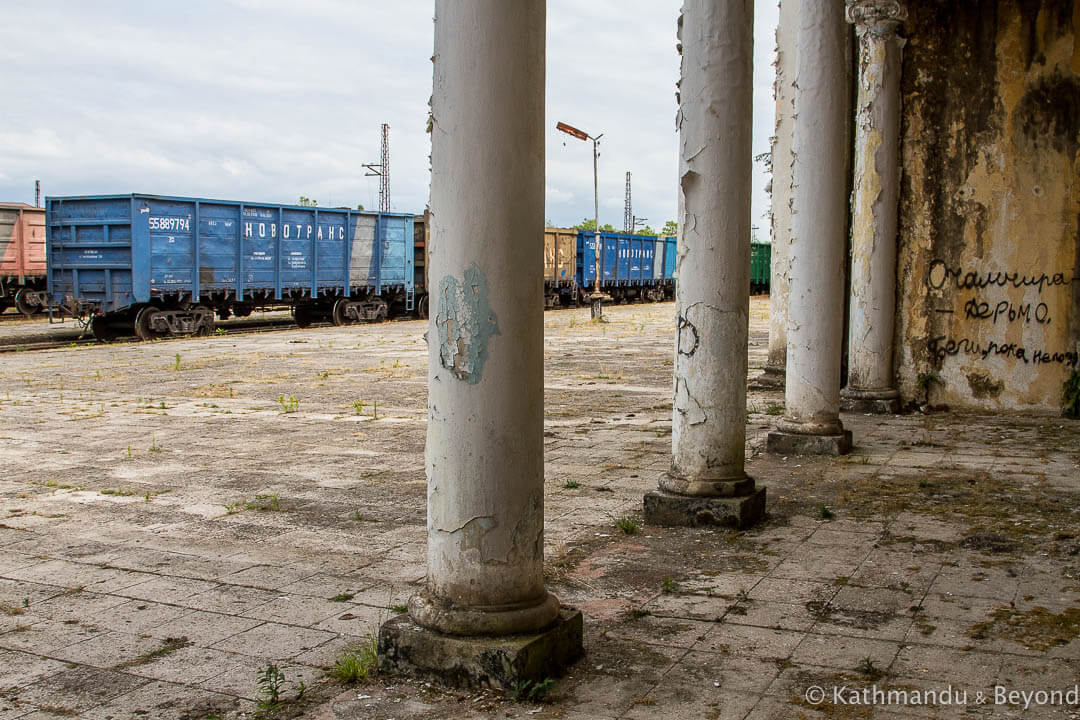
(471, 534)
(819, 223)
(466, 324)
(874, 202)
(688, 406)
(485, 449)
(481, 541)
(711, 299)
(783, 169)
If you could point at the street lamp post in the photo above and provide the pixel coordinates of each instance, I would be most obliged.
(596, 298)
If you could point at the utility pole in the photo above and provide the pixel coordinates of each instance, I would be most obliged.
(628, 212)
(37, 193)
(597, 296)
(382, 170)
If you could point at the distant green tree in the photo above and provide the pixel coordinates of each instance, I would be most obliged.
(645, 231)
(590, 224)
(671, 229)
(307, 202)
(359, 206)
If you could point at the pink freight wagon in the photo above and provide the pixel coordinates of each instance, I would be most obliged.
(22, 257)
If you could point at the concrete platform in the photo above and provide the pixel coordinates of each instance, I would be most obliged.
(144, 499)
(505, 663)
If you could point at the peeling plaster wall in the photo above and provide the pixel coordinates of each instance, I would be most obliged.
(989, 246)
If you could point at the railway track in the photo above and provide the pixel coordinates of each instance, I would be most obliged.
(79, 337)
(13, 316)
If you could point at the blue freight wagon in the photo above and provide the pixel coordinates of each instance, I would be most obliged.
(631, 266)
(157, 265)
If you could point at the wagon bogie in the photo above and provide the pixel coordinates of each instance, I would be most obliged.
(369, 309)
(29, 301)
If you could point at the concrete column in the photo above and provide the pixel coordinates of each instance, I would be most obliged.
(870, 386)
(485, 461)
(707, 483)
(783, 162)
(815, 325)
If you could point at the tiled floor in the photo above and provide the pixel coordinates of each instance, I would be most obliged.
(168, 529)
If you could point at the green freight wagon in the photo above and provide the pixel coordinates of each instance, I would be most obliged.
(760, 267)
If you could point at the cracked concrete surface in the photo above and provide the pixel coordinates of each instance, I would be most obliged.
(153, 559)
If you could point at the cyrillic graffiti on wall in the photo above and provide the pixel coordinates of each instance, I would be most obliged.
(983, 309)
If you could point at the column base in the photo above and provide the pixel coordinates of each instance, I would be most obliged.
(671, 510)
(771, 378)
(875, 402)
(525, 617)
(788, 443)
(503, 662)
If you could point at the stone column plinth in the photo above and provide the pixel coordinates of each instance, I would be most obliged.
(870, 384)
(811, 423)
(484, 617)
(707, 483)
(783, 161)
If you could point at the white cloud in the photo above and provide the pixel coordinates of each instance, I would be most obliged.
(555, 196)
(35, 143)
(272, 99)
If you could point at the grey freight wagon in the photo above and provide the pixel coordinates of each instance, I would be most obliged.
(155, 266)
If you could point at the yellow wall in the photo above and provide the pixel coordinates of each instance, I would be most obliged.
(989, 265)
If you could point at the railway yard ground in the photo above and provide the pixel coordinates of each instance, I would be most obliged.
(202, 528)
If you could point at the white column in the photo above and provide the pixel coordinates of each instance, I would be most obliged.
(870, 386)
(707, 483)
(711, 299)
(485, 460)
(819, 226)
(783, 160)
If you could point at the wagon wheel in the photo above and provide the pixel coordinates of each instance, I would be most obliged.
(23, 302)
(302, 316)
(206, 327)
(142, 323)
(422, 308)
(101, 329)
(337, 315)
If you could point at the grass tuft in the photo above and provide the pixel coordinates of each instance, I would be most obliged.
(358, 663)
(628, 525)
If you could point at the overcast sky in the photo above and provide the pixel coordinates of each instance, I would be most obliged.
(267, 100)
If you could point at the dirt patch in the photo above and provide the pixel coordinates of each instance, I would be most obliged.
(1038, 629)
(850, 617)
